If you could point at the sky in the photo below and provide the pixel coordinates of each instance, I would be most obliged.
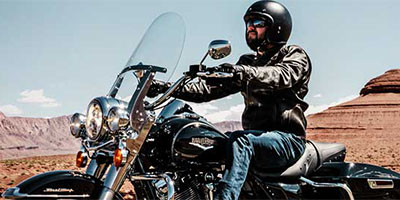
(55, 56)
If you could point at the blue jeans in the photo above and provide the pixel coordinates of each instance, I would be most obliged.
(266, 150)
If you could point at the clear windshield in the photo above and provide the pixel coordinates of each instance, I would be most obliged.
(161, 46)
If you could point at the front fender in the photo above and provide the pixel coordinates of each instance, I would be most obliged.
(57, 184)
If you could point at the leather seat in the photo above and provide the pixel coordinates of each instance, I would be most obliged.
(330, 152)
(314, 155)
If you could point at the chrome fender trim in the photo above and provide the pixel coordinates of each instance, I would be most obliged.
(380, 183)
(329, 185)
(13, 193)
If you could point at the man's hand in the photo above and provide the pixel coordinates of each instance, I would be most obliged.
(157, 87)
(228, 68)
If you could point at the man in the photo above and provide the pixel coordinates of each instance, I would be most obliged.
(273, 81)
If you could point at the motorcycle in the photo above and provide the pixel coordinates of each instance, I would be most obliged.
(178, 154)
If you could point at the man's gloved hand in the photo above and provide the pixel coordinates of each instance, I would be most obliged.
(157, 87)
(228, 68)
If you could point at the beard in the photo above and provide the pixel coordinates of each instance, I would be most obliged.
(253, 42)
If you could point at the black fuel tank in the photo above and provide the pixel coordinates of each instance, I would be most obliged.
(196, 141)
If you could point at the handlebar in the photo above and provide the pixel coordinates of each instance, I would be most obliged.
(182, 80)
(168, 93)
(215, 74)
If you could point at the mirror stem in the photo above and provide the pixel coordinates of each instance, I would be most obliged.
(202, 60)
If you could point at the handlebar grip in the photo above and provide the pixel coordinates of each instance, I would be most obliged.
(215, 74)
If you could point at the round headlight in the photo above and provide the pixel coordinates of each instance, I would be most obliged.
(118, 119)
(94, 121)
(77, 125)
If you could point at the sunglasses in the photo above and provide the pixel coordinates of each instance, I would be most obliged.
(257, 23)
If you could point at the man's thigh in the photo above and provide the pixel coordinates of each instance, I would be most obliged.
(274, 149)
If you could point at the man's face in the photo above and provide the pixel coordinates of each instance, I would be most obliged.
(255, 30)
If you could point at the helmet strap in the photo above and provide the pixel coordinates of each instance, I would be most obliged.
(263, 47)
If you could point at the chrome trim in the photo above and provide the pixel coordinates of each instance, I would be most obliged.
(218, 49)
(141, 122)
(92, 167)
(177, 134)
(105, 103)
(16, 194)
(329, 185)
(95, 148)
(96, 170)
(373, 185)
(150, 177)
(107, 193)
(77, 125)
(119, 120)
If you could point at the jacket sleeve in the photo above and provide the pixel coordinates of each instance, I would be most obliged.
(295, 65)
(207, 90)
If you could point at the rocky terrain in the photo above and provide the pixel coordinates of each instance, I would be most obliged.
(368, 125)
(22, 137)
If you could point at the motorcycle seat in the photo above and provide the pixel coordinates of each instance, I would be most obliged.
(314, 155)
(330, 152)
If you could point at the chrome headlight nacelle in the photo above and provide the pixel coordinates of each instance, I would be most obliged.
(77, 125)
(97, 113)
(118, 119)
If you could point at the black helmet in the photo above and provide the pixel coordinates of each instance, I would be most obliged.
(278, 20)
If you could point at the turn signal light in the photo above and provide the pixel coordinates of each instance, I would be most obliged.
(81, 159)
(118, 158)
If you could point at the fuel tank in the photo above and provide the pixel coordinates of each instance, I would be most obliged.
(196, 141)
(181, 135)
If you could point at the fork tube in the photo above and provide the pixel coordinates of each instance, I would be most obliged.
(114, 179)
(140, 122)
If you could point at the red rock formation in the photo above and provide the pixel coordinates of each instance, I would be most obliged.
(368, 125)
(377, 108)
(386, 83)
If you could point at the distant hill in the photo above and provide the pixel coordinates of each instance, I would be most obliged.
(228, 126)
(25, 137)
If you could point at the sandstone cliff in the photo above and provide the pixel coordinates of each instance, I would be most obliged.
(377, 108)
(368, 125)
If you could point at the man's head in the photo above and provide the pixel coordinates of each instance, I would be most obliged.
(268, 23)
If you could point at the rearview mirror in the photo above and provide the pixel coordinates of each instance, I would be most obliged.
(219, 49)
